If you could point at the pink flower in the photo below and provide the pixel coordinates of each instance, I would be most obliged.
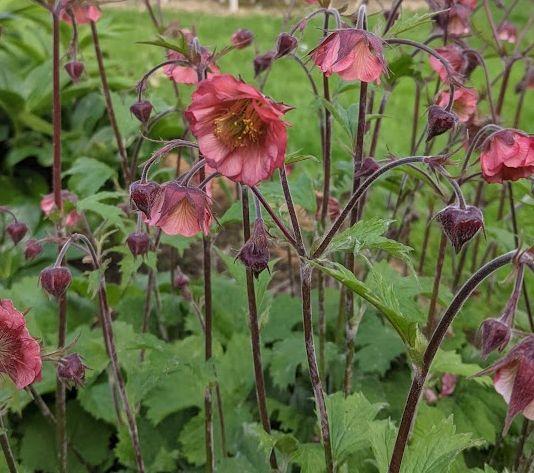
(513, 380)
(454, 56)
(353, 54)
(180, 210)
(83, 12)
(48, 206)
(448, 384)
(507, 32)
(464, 102)
(458, 22)
(507, 156)
(20, 356)
(182, 74)
(240, 132)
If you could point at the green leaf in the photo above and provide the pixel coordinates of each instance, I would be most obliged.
(112, 213)
(163, 43)
(349, 423)
(88, 176)
(409, 22)
(451, 362)
(386, 303)
(288, 354)
(367, 235)
(310, 458)
(403, 66)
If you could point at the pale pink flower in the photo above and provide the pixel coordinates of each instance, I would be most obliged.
(48, 206)
(448, 384)
(187, 74)
(181, 210)
(464, 102)
(454, 56)
(240, 132)
(507, 32)
(83, 12)
(507, 156)
(20, 354)
(513, 380)
(352, 53)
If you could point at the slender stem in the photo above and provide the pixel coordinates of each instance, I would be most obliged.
(292, 212)
(475, 142)
(437, 337)
(491, 21)
(109, 106)
(437, 279)
(261, 396)
(415, 120)
(327, 140)
(61, 399)
(516, 240)
(480, 59)
(392, 14)
(152, 15)
(56, 112)
(167, 148)
(321, 323)
(378, 123)
(6, 448)
(305, 279)
(504, 84)
(521, 444)
(426, 239)
(275, 218)
(357, 195)
(220, 411)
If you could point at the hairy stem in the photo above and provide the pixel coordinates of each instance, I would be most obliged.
(437, 338)
(261, 396)
(437, 279)
(6, 448)
(109, 106)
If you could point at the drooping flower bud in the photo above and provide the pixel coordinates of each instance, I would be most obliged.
(494, 335)
(144, 194)
(448, 384)
(262, 62)
(506, 31)
(513, 380)
(242, 38)
(142, 110)
(139, 243)
(460, 225)
(369, 166)
(71, 370)
(180, 280)
(75, 70)
(32, 250)
(439, 121)
(254, 254)
(16, 231)
(55, 280)
(285, 44)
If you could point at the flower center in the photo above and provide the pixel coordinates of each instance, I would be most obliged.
(239, 125)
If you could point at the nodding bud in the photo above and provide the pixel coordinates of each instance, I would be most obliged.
(262, 62)
(242, 38)
(55, 280)
(143, 195)
(180, 280)
(75, 70)
(285, 44)
(387, 14)
(17, 231)
(255, 252)
(369, 166)
(71, 370)
(33, 249)
(439, 121)
(139, 243)
(460, 225)
(494, 334)
(142, 110)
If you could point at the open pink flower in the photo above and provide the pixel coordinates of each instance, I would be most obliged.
(48, 206)
(459, 19)
(83, 12)
(513, 380)
(352, 53)
(181, 210)
(20, 354)
(182, 74)
(464, 102)
(507, 156)
(507, 32)
(454, 56)
(240, 132)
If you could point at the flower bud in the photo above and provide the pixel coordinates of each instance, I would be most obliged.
(494, 335)
(74, 70)
(242, 38)
(16, 231)
(55, 280)
(180, 280)
(262, 62)
(143, 195)
(33, 249)
(142, 110)
(71, 370)
(138, 242)
(448, 384)
(285, 44)
(439, 121)
(460, 225)
(254, 254)
(369, 166)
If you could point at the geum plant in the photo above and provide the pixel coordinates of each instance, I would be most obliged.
(237, 137)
